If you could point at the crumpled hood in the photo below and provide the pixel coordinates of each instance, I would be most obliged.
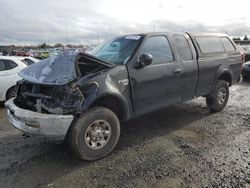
(57, 70)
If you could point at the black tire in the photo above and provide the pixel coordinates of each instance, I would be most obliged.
(238, 80)
(215, 101)
(79, 133)
(11, 93)
(245, 78)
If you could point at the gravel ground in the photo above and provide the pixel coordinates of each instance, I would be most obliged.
(180, 146)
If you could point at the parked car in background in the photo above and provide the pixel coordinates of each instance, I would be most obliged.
(9, 68)
(22, 53)
(247, 52)
(12, 53)
(42, 55)
(246, 71)
(55, 51)
(5, 52)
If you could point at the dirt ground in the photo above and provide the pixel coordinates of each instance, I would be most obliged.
(180, 146)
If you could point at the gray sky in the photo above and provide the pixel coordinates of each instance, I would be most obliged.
(79, 21)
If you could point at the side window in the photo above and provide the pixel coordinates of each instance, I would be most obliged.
(27, 61)
(227, 44)
(159, 48)
(210, 44)
(9, 64)
(183, 47)
(2, 66)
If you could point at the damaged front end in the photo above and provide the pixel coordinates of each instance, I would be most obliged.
(51, 86)
(49, 97)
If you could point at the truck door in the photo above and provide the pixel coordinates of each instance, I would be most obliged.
(189, 66)
(156, 85)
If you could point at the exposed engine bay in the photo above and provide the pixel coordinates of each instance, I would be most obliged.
(50, 85)
(49, 99)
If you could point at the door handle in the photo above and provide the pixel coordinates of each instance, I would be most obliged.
(177, 71)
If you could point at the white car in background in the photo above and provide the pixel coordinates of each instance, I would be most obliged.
(9, 68)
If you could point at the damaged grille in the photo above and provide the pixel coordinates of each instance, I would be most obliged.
(66, 99)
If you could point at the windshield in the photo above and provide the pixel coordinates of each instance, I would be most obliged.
(118, 50)
(56, 70)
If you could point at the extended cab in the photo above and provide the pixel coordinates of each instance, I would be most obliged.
(84, 96)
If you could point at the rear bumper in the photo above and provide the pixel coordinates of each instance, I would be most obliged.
(52, 126)
(245, 73)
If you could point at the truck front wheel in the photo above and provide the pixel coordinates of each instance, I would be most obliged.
(217, 100)
(95, 133)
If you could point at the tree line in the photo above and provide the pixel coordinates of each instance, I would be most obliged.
(43, 46)
(60, 45)
(239, 39)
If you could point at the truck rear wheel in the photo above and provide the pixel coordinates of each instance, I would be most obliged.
(95, 133)
(217, 100)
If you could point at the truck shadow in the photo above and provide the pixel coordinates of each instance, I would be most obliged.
(1, 105)
(46, 162)
(244, 82)
(160, 123)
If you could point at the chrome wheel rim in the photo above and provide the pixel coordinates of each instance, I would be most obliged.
(97, 134)
(222, 94)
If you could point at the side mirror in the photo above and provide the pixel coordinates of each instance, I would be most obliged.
(144, 60)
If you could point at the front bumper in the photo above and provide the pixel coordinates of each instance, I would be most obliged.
(52, 126)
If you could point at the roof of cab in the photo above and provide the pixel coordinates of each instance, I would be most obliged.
(189, 33)
(196, 34)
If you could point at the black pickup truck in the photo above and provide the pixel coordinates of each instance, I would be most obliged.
(84, 96)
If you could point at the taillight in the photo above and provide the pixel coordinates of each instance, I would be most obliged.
(243, 59)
